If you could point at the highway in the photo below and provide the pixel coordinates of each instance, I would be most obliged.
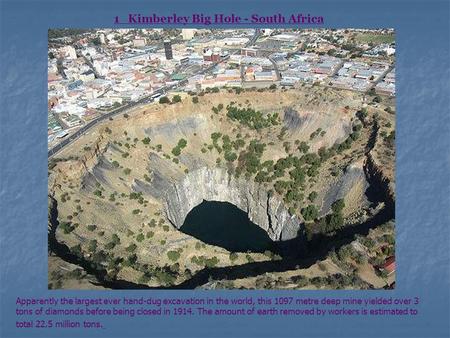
(131, 105)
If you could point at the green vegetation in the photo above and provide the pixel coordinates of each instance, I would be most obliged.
(115, 240)
(374, 38)
(250, 159)
(131, 248)
(173, 255)
(180, 146)
(176, 99)
(66, 227)
(252, 118)
(303, 147)
(310, 213)
(92, 245)
(91, 227)
(203, 261)
(233, 256)
(333, 221)
(312, 196)
(164, 100)
(98, 193)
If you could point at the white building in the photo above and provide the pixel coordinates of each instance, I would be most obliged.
(188, 33)
(140, 42)
(68, 52)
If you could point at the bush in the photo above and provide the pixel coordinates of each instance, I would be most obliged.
(233, 256)
(164, 100)
(310, 212)
(173, 255)
(195, 99)
(176, 99)
(303, 147)
(176, 151)
(312, 196)
(91, 227)
(140, 237)
(146, 140)
(338, 206)
(127, 171)
(131, 248)
(230, 156)
(66, 227)
(92, 246)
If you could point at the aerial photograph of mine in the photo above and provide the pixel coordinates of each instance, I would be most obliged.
(221, 159)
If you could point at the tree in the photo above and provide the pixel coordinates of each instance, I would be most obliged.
(164, 100)
(334, 221)
(176, 99)
(310, 212)
(303, 147)
(194, 99)
(338, 206)
(173, 255)
(230, 156)
(312, 196)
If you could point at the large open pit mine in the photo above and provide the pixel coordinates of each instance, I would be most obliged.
(251, 189)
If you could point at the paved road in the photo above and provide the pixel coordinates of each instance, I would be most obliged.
(131, 105)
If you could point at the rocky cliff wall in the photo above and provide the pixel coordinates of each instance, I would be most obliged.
(215, 184)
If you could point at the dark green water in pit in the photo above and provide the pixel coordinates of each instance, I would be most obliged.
(223, 224)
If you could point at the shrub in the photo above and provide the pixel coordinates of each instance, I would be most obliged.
(140, 237)
(66, 227)
(173, 255)
(92, 246)
(131, 248)
(338, 205)
(310, 212)
(164, 100)
(176, 99)
(312, 196)
(194, 99)
(91, 227)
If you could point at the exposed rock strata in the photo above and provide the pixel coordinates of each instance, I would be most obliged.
(215, 184)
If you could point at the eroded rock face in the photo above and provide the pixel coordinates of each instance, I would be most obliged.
(215, 184)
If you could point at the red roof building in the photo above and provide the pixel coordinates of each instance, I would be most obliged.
(389, 265)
